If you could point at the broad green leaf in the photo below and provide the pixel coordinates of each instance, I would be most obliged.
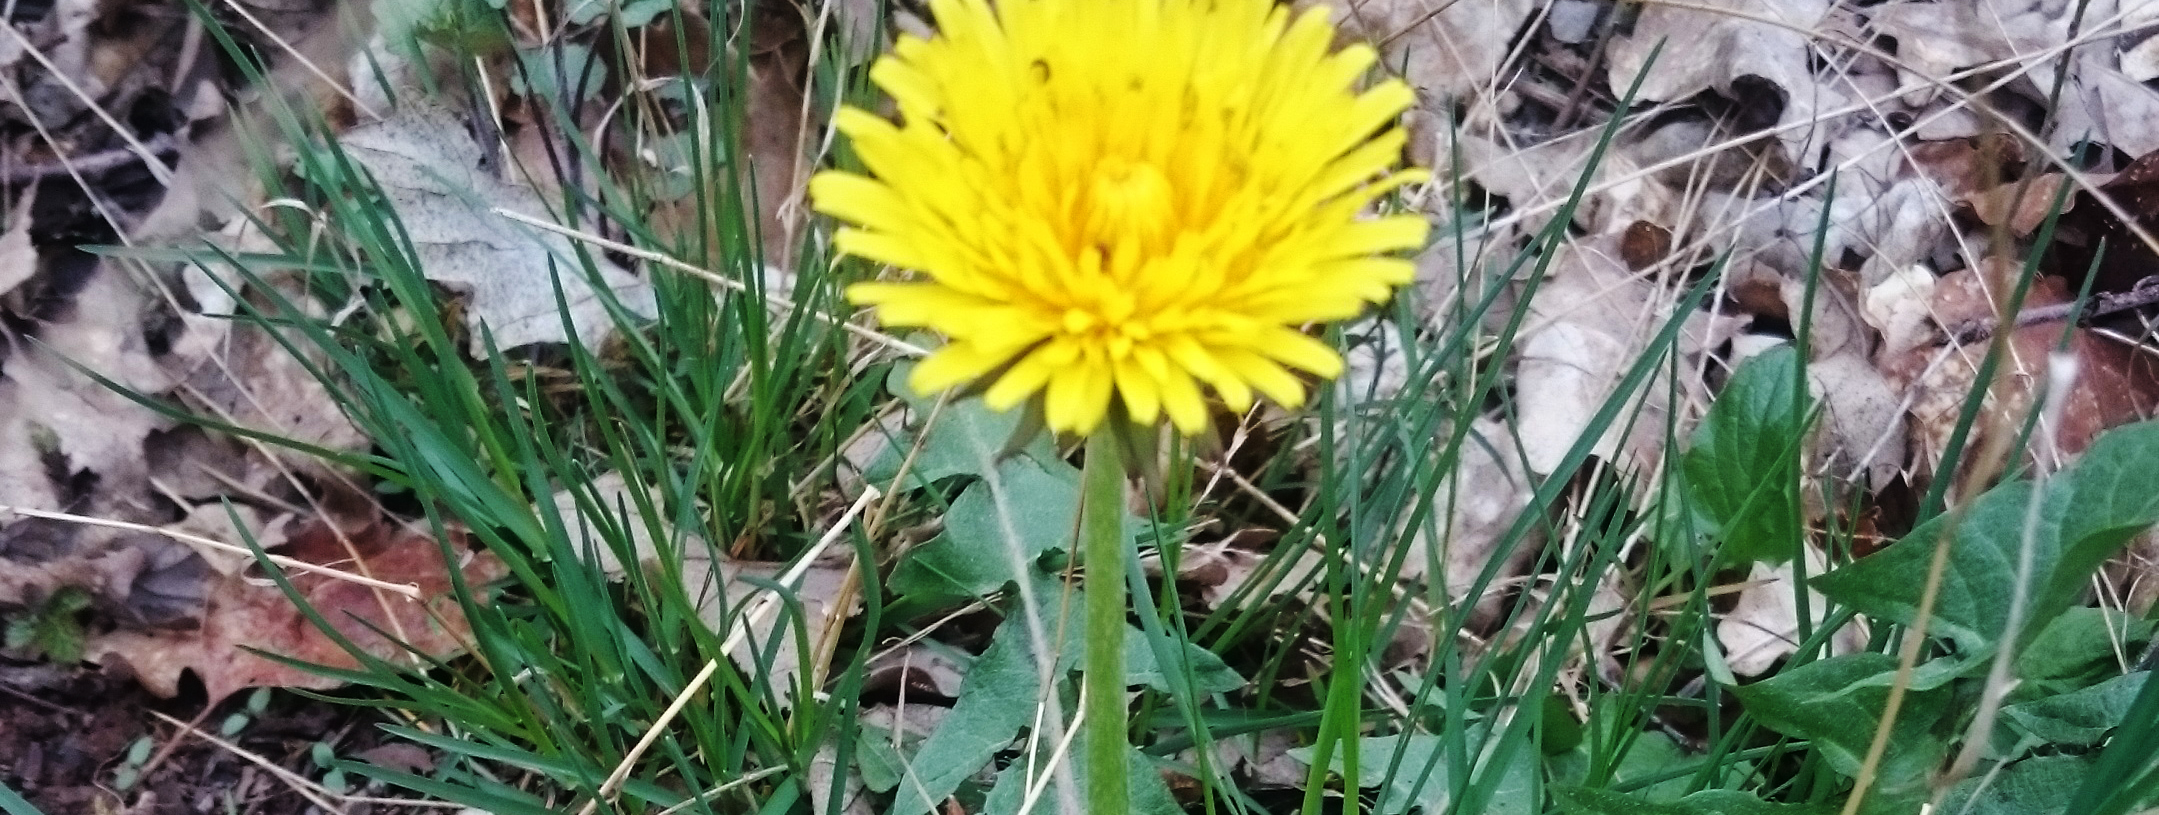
(1149, 794)
(997, 698)
(2084, 515)
(1742, 466)
(2079, 643)
(1837, 703)
(2078, 718)
(995, 532)
(964, 438)
(1209, 673)
(2117, 496)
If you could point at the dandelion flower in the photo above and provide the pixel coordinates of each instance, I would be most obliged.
(1125, 201)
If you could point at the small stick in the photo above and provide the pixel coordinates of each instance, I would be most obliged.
(410, 591)
(2146, 292)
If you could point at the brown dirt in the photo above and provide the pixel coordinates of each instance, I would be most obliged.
(65, 736)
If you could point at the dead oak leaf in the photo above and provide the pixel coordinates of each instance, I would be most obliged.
(245, 615)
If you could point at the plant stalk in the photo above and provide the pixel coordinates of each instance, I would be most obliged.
(1103, 552)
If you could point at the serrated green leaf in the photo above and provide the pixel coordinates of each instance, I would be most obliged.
(966, 437)
(997, 698)
(995, 532)
(1742, 466)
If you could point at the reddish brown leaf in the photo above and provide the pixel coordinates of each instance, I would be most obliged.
(252, 613)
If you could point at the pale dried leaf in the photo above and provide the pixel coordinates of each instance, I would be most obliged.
(433, 175)
(1444, 48)
(1764, 626)
(18, 259)
(1587, 325)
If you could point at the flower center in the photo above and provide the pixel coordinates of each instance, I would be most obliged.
(1130, 199)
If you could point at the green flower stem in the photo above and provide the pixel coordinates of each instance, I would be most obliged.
(1102, 550)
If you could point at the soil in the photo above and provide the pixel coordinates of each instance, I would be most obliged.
(67, 735)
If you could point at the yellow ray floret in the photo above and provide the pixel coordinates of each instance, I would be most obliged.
(1125, 201)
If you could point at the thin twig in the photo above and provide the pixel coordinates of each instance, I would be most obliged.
(161, 145)
(2145, 293)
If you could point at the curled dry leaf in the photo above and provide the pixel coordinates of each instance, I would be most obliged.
(244, 614)
(1755, 52)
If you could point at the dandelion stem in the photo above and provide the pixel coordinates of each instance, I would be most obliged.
(1102, 542)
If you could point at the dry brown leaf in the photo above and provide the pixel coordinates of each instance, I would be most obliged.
(1716, 45)
(1472, 511)
(2116, 384)
(1589, 322)
(2021, 205)
(1861, 438)
(246, 613)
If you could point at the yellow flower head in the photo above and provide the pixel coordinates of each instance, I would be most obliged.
(1125, 199)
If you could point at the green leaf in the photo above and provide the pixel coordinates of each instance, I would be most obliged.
(2079, 642)
(1837, 703)
(2084, 515)
(1148, 793)
(994, 532)
(1742, 467)
(1578, 801)
(2078, 718)
(997, 698)
(1209, 673)
(2035, 786)
(965, 437)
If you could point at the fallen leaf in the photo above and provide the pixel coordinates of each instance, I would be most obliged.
(245, 614)
(1718, 46)
(1763, 627)
(1444, 48)
(1590, 322)
(2116, 384)
(433, 175)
